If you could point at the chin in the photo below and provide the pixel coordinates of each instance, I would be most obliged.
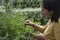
(47, 17)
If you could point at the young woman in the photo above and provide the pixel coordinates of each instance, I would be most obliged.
(51, 31)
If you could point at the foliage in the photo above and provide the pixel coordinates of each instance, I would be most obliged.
(7, 5)
(37, 17)
(22, 3)
(12, 25)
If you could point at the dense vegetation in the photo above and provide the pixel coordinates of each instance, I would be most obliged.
(22, 3)
(12, 25)
(27, 3)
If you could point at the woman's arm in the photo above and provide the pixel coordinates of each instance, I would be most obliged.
(39, 36)
(37, 27)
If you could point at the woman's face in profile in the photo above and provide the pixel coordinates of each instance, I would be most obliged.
(46, 13)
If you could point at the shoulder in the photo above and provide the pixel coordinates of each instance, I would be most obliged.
(56, 27)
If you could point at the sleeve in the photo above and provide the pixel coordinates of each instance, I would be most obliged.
(57, 31)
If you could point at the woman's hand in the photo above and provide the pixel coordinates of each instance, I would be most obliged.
(39, 36)
(28, 22)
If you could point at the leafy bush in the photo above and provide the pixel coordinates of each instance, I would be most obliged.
(27, 3)
(12, 27)
(22, 3)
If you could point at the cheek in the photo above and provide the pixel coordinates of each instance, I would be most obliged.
(46, 14)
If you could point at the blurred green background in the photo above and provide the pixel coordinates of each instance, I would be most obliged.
(13, 14)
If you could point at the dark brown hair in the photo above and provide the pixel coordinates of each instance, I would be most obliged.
(55, 6)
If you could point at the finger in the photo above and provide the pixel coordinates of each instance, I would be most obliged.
(27, 21)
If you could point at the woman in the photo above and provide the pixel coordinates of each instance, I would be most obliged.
(51, 31)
